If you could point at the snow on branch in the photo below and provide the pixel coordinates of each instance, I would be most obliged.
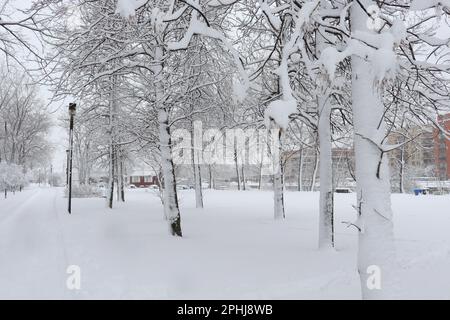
(197, 27)
(279, 111)
(274, 21)
(378, 48)
(351, 224)
(418, 5)
(127, 8)
(219, 3)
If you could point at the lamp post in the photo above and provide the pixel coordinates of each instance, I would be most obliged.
(67, 167)
(72, 110)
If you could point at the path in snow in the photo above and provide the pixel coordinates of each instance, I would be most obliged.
(32, 255)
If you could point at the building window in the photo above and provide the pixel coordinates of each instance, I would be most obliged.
(135, 179)
(148, 179)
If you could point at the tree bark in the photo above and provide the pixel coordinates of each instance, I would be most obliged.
(196, 168)
(326, 214)
(278, 183)
(122, 180)
(402, 170)
(117, 173)
(326, 203)
(300, 171)
(110, 191)
(238, 176)
(243, 177)
(171, 208)
(314, 173)
(211, 182)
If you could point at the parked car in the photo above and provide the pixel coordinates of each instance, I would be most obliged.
(343, 190)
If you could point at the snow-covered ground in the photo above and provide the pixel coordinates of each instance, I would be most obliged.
(231, 249)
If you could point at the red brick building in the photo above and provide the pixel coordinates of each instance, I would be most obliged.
(143, 178)
(442, 148)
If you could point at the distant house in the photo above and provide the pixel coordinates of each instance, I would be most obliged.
(143, 178)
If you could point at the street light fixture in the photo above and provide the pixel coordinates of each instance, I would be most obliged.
(72, 111)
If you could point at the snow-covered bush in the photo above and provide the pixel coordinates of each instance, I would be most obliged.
(84, 191)
(12, 177)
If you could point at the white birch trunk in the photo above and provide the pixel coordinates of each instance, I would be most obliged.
(376, 248)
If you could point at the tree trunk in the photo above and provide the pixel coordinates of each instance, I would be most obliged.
(243, 177)
(121, 181)
(171, 208)
(110, 191)
(260, 176)
(314, 174)
(112, 155)
(238, 176)
(300, 171)
(198, 186)
(402, 170)
(211, 182)
(196, 166)
(326, 224)
(326, 205)
(376, 246)
(117, 173)
(278, 184)
(261, 165)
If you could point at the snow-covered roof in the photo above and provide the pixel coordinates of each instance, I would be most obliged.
(142, 171)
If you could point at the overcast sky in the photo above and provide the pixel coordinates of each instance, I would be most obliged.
(58, 136)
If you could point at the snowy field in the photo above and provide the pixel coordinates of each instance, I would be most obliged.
(231, 249)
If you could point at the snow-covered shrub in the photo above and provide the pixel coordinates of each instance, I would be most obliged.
(12, 177)
(84, 191)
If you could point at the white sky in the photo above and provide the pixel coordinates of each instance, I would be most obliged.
(58, 136)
